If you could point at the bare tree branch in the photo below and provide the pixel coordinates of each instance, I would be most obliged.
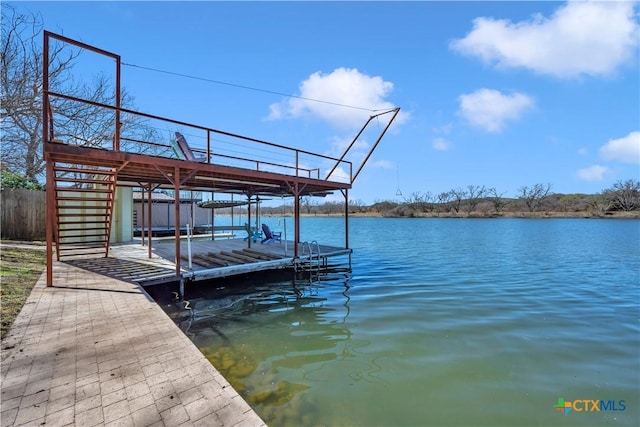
(534, 196)
(624, 196)
(21, 77)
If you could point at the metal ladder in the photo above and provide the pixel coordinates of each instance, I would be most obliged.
(315, 267)
(316, 262)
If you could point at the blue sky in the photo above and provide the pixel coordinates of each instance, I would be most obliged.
(500, 94)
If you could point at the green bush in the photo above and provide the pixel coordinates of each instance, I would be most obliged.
(13, 180)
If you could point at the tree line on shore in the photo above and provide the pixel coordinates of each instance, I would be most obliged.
(475, 200)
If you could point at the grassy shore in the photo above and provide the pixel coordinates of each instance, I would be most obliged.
(20, 269)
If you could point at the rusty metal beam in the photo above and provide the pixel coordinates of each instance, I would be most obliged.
(364, 162)
(141, 165)
(142, 236)
(250, 234)
(49, 165)
(395, 112)
(177, 219)
(45, 89)
(296, 219)
(116, 141)
(51, 214)
(344, 154)
(149, 208)
(118, 169)
(188, 176)
(345, 193)
(134, 167)
(80, 44)
(167, 175)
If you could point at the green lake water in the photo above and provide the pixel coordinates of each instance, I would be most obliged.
(442, 322)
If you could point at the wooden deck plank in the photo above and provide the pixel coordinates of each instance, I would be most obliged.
(264, 255)
(239, 256)
(229, 259)
(214, 258)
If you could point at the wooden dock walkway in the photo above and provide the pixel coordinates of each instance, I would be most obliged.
(210, 259)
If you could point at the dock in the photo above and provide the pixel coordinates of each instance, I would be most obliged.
(86, 181)
(211, 259)
(224, 258)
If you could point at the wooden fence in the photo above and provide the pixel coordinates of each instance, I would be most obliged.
(23, 214)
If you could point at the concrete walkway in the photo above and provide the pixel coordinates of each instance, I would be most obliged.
(94, 350)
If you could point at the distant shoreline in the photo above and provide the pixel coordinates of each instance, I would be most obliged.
(524, 215)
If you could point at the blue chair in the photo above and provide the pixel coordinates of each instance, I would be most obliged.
(251, 233)
(271, 236)
(183, 151)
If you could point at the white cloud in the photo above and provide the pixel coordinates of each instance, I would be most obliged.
(340, 174)
(339, 144)
(580, 38)
(625, 150)
(592, 173)
(383, 164)
(444, 129)
(345, 86)
(489, 109)
(441, 144)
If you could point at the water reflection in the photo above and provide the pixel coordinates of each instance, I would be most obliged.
(272, 341)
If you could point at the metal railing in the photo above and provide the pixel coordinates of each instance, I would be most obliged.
(339, 169)
(292, 162)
